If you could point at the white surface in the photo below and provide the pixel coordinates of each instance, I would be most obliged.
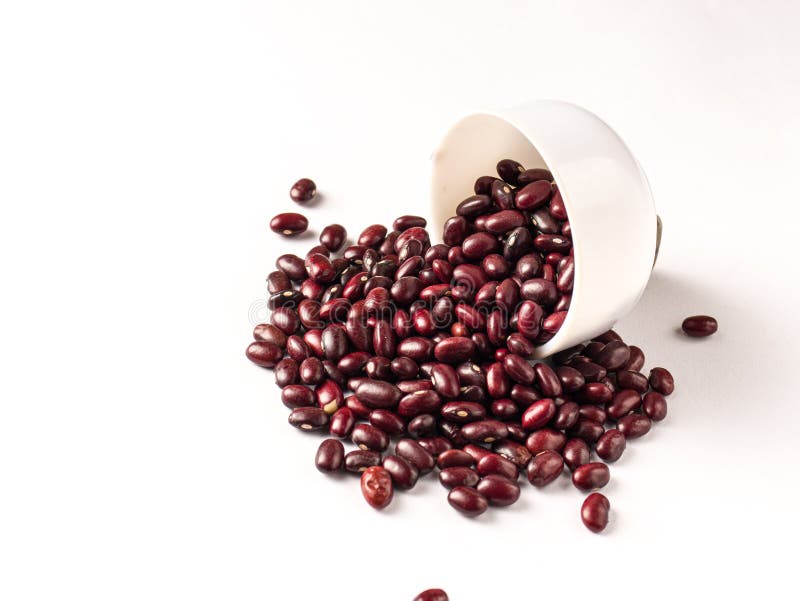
(606, 196)
(143, 147)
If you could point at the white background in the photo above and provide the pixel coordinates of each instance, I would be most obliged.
(143, 147)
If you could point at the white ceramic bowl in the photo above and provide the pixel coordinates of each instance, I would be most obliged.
(605, 191)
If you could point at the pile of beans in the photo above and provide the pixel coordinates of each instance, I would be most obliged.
(430, 344)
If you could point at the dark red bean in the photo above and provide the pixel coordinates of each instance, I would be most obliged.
(386, 421)
(504, 221)
(264, 354)
(654, 406)
(533, 195)
(576, 453)
(462, 412)
(445, 380)
(278, 281)
(383, 339)
(547, 380)
(594, 413)
(415, 454)
(544, 468)
(699, 326)
(557, 208)
(566, 275)
(509, 171)
(545, 439)
(409, 386)
(532, 175)
(590, 476)
(473, 206)
(483, 185)
(435, 445)
(454, 350)
(451, 477)
(594, 512)
(404, 474)
(567, 416)
(419, 403)
(529, 317)
(432, 594)
(369, 438)
(358, 461)
(468, 501)
(372, 236)
(378, 394)
(332, 237)
(477, 246)
(303, 190)
(587, 429)
(455, 458)
(342, 422)
(487, 431)
(288, 224)
(334, 343)
(293, 266)
(297, 395)
(319, 268)
(497, 464)
(329, 396)
(308, 418)
(539, 290)
(266, 332)
(416, 348)
(519, 369)
(636, 361)
(499, 490)
(596, 392)
(376, 486)
(613, 355)
(497, 383)
(610, 445)
(286, 372)
(408, 221)
(502, 194)
(633, 380)
(504, 409)
(571, 379)
(662, 381)
(538, 414)
(330, 456)
(634, 425)
(455, 230)
(422, 426)
(552, 323)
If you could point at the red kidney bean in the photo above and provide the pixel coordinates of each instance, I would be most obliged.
(463, 412)
(528, 267)
(611, 445)
(334, 343)
(504, 221)
(308, 418)
(518, 369)
(529, 317)
(515, 452)
(533, 195)
(358, 461)
(303, 190)
(502, 194)
(518, 242)
(287, 298)
(545, 439)
(613, 355)
(435, 445)
(408, 221)
(497, 382)
(538, 414)
(264, 354)
(369, 438)
(566, 275)
(468, 501)
(654, 406)
(355, 363)
(552, 323)
(415, 454)
(376, 486)
(332, 237)
(293, 266)
(342, 422)
(277, 281)
(266, 332)
(358, 408)
(532, 175)
(587, 429)
(661, 381)
(432, 594)
(383, 339)
(487, 430)
(286, 372)
(544, 468)
(409, 386)
(509, 171)
(591, 476)
(576, 452)
(547, 380)
(404, 474)
(594, 512)
(445, 380)
(634, 425)
(504, 409)
(455, 230)
(483, 184)
(288, 224)
(636, 361)
(455, 458)
(330, 456)
(418, 403)
(571, 379)
(378, 394)
(387, 422)
(498, 490)
(472, 207)
(311, 371)
(596, 392)
(478, 245)
(592, 372)
(422, 426)
(416, 348)
(497, 464)
(320, 268)
(567, 416)
(540, 291)
(633, 380)
(699, 326)
(372, 236)
(454, 350)
(298, 348)
(594, 413)
(297, 395)
(404, 368)
(329, 396)
(624, 402)
(557, 208)
(519, 345)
